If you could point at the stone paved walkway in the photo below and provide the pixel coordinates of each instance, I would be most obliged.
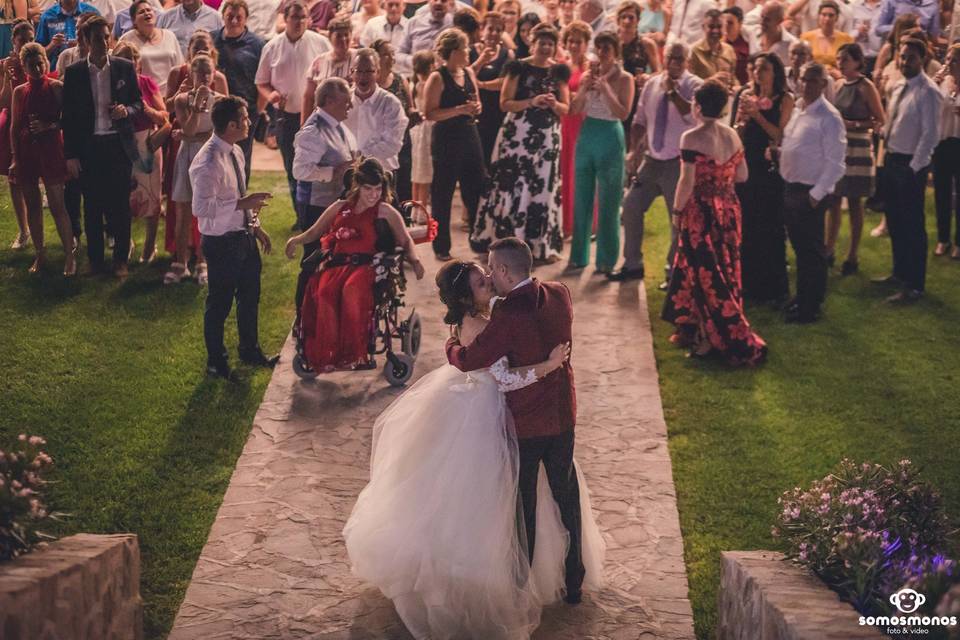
(275, 565)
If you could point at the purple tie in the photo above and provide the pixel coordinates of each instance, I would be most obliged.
(660, 124)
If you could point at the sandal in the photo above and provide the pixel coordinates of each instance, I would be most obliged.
(145, 259)
(22, 241)
(202, 276)
(178, 271)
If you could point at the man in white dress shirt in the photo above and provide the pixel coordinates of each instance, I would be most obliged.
(391, 26)
(664, 113)
(377, 119)
(912, 132)
(423, 28)
(282, 78)
(686, 25)
(770, 36)
(228, 219)
(812, 157)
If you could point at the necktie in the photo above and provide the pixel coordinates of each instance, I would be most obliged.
(248, 217)
(660, 123)
(896, 108)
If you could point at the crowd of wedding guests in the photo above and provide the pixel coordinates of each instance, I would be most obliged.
(559, 120)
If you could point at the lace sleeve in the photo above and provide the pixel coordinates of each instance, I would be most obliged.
(512, 379)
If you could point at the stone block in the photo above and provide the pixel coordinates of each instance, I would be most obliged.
(84, 587)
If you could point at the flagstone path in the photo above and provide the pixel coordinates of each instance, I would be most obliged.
(274, 565)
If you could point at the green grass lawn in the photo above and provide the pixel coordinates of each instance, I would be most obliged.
(112, 375)
(870, 382)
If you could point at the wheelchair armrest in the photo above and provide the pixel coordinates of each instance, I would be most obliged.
(314, 260)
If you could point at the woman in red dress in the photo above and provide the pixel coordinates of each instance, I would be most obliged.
(704, 299)
(576, 38)
(37, 147)
(338, 301)
(12, 77)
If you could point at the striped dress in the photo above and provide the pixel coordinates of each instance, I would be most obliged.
(858, 181)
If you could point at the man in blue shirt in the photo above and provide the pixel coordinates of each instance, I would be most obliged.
(185, 18)
(927, 12)
(238, 58)
(57, 28)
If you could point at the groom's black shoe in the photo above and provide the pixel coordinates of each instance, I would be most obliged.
(574, 597)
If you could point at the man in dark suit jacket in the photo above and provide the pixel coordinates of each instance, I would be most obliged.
(101, 95)
(532, 319)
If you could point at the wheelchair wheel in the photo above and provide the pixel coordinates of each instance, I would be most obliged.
(398, 369)
(411, 335)
(302, 369)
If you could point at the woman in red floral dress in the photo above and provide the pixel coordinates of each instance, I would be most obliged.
(338, 300)
(704, 299)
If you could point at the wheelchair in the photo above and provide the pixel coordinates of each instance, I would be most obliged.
(388, 329)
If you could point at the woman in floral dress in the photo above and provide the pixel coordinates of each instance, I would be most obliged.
(704, 300)
(523, 197)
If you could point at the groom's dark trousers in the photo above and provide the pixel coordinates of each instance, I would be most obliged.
(525, 326)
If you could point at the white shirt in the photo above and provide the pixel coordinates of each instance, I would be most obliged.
(284, 65)
(310, 150)
(781, 49)
(378, 28)
(263, 17)
(949, 121)
(66, 58)
(215, 187)
(646, 115)
(914, 125)
(102, 97)
(378, 123)
(814, 147)
(863, 13)
(157, 60)
(808, 16)
(109, 8)
(687, 22)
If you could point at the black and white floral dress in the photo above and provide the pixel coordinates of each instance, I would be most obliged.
(522, 198)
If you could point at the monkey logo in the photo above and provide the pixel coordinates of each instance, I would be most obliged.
(907, 600)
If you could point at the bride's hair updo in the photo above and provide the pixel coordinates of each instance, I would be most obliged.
(453, 279)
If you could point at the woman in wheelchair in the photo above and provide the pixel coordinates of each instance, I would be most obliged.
(338, 301)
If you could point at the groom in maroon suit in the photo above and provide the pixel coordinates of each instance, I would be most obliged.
(532, 318)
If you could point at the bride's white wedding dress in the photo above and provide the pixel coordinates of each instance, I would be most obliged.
(438, 529)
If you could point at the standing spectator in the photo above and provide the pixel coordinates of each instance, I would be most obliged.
(37, 153)
(186, 18)
(946, 158)
(912, 132)
(13, 76)
(640, 55)
(575, 39)
(510, 10)
(11, 13)
(811, 163)
(261, 19)
(594, 13)
(522, 41)
(863, 16)
(159, 49)
(568, 12)
(325, 149)
(239, 52)
(805, 15)
(686, 23)
(377, 119)
(605, 96)
(732, 35)
(193, 109)
(523, 199)
(927, 12)
(70, 55)
(282, 77)
(103, 94)
(423, 29)
(888, 60)
(57, 27)
(664, 113)
(711, 57)
(150, 130)
(858, 101)
(369, 9)
(453, 103)
(772, 37)
(124, 21)
(761, 112)
(396, 85)
(492, 57)
(231, 230)
(390, 26)
(826, 40)
(653, 22)
(421, 170)
(800, 55)
(335, 63)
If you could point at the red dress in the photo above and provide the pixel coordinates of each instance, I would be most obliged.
(169, 157)
(338, 301)
(19, 77)
(39, 155)
(705, 294)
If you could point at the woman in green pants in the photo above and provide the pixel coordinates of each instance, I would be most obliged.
(604, 97)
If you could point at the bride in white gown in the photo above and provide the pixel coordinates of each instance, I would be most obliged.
(438, 529)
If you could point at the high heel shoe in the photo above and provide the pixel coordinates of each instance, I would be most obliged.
(70, 266)
(39, 262)
(941, 249)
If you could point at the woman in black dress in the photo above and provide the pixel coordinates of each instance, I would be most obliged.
(453, 104)
(488, 58)
(760, 113)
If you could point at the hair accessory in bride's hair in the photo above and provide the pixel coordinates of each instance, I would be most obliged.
(464, 267)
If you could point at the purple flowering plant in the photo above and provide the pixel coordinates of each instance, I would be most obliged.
(22, 508)
(869, 530)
